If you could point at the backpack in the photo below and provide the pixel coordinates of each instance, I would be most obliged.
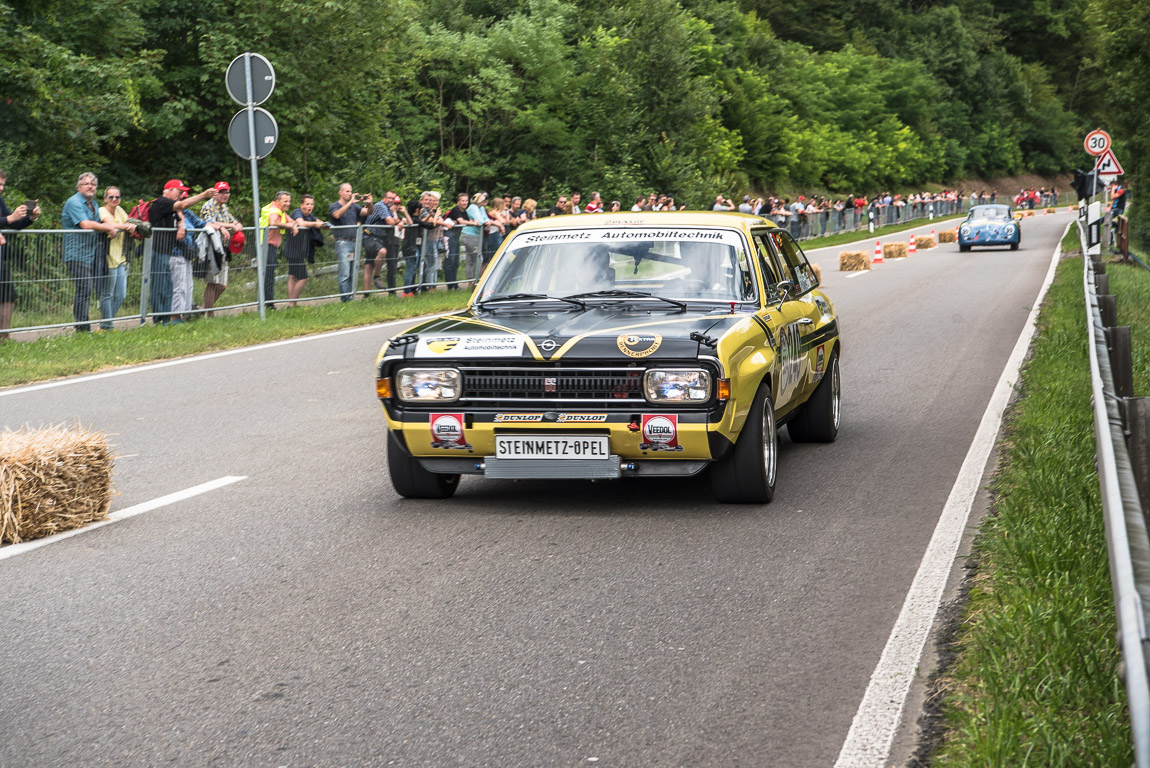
(140, 211)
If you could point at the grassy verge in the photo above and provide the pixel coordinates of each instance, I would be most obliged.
(52, 357)
(1035, 677)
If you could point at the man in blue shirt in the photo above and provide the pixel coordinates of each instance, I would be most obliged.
(81, 258)
(344, 216)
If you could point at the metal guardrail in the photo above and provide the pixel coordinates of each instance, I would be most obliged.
(48, 295)
(1119, 418)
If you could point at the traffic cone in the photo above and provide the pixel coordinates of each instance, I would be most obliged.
(912, 248)
(932, 237)
(877, 253)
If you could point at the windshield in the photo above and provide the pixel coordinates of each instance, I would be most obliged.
(677, 263)
(989, 212)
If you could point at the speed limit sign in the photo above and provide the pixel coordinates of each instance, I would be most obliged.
(1097, 142)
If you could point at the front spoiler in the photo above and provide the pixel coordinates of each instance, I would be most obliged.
(610, 468)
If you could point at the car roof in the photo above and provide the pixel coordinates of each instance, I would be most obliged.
(648, 218)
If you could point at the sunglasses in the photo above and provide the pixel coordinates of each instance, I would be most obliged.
(111, 197)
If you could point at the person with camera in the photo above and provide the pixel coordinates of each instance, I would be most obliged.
(430, 220)
(345, 215)
(21, 218)
(167, 214)
(379, 227)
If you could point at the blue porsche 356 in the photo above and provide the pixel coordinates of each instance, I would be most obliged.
(989, 225)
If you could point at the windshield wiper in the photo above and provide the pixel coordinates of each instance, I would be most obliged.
(617, 294)
(528, 296)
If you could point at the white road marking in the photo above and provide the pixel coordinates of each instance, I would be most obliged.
(858, 274)
(209, 356)
(872, 732)
(26, 546)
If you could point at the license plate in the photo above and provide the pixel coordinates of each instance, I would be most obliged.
(551, 447)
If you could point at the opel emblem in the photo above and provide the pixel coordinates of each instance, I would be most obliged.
(548, 345)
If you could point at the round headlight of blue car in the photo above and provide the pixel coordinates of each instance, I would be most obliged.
(965, 231)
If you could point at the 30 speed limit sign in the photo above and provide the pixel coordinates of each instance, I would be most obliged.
(1097, 142)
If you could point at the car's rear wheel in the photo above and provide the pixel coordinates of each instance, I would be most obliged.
(818, 420)
(410, 479)
(746, 475)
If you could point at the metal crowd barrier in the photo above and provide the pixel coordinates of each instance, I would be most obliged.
(46, 291)
(831, 222)
(1122, 438)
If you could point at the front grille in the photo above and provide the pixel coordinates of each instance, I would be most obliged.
(566, 386)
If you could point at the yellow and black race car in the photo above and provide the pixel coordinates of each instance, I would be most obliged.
(619, 345)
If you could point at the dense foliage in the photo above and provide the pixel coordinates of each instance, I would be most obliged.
(684, 96)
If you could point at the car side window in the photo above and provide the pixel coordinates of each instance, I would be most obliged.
(771, 269)
(796, 266)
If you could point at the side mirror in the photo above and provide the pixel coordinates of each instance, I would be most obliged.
(783, 290)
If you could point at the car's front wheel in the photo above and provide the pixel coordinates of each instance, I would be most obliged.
(746, 475)
(818, 421)
(410, 479)
(963, 248)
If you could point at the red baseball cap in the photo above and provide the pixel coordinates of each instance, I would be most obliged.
(176, 184)
(222, 185)
(236, 244)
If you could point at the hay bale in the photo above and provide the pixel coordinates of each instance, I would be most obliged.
(1052, 210)
(854, 261)
(922, 242)
(948, 236)
(52, 480)
(818, 272)
(894, 250)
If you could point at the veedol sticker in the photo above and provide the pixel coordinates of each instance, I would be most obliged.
(660, 432)
(447, 430)
(509, 345)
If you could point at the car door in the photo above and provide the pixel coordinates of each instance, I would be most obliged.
(801, 316)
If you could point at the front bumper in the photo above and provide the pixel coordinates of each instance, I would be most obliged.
(694, 442)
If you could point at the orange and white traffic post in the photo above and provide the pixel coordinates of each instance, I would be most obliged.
(877, 253)
(912, 247)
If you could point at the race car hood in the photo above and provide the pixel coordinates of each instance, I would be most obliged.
(545, 335)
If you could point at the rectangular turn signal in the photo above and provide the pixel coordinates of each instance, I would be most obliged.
(383, 388)
(723, 389)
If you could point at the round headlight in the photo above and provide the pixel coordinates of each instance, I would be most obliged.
(428, 385)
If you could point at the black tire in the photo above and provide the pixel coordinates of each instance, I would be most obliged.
(963, 248)
(747, 474)
(1014, 246)
(412, 481)
(818, 419)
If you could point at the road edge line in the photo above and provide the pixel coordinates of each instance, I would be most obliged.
(871, 735)
(12, 550)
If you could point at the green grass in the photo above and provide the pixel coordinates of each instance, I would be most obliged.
(56, 356)
(1035, 679)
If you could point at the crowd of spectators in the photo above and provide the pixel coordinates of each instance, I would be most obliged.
(424, 237)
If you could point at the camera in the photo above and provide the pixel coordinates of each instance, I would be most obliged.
(31, 205)
(359, 198)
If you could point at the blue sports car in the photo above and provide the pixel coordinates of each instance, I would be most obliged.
(989, 225)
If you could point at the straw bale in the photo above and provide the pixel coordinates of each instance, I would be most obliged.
(1052, 210)
(818, 272)
(948, 236)
(52, 480)
(854, 261)
(924, 241)
(894, 250)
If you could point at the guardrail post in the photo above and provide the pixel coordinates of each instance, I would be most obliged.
(1138, 443)
(1108, 310)
(1121, 360)
(146, 281)
(1102, 285)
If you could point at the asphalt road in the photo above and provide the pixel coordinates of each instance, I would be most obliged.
(308, 616)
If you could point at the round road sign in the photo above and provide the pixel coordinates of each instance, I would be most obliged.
(263, 79)
(267, 133)
(1097, 142)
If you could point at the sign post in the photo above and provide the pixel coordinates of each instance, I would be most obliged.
(250, 80)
